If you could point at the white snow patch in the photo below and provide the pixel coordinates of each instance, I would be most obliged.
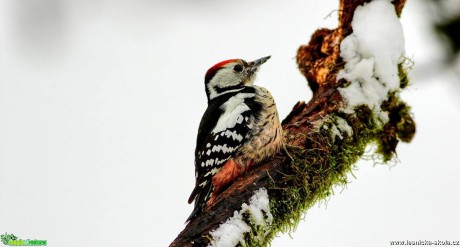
(339, 128)
(336, 132)
(232, 232)
(343, 126)
(372, 53)
(321, 123)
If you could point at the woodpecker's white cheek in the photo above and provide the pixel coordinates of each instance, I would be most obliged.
(212, 91)
(224, 78)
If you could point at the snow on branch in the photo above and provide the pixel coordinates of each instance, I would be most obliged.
(372, 54)
(232, 231)
(356, 72)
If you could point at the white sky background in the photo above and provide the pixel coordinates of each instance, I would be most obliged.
(100, 102)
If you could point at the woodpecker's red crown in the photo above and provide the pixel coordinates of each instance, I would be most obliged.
(212, 71)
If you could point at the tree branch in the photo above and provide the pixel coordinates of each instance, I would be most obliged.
(322, 147)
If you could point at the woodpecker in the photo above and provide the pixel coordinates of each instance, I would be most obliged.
(239, 129)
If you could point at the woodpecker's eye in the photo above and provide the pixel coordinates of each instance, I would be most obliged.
(238, 68)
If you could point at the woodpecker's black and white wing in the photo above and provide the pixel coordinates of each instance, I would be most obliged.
(223, 130)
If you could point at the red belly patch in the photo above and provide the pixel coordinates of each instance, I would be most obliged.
(227, 174)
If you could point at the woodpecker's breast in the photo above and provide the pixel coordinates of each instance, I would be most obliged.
(265, 137)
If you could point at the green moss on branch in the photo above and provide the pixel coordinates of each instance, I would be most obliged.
(324, 164)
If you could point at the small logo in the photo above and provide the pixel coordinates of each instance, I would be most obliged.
(7, 237)
(12, 240)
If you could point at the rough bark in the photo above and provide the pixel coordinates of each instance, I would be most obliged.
(318, 163)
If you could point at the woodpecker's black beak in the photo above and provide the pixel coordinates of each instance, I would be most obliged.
(254, 65)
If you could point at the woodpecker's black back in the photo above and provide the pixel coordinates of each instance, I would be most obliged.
(218, 141)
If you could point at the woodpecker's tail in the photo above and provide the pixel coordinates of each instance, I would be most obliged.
(201, 196)
(194, 213)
